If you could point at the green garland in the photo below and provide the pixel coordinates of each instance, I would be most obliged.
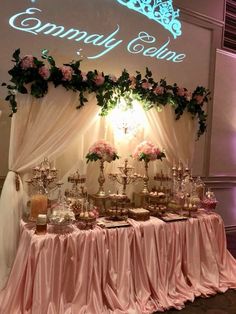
(108, 89)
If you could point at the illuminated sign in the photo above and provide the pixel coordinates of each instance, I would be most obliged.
(142, 44)
(161, 11)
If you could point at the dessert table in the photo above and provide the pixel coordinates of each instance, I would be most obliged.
(147, 267)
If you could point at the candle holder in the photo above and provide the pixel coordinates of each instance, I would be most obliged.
(43, 176)
(125, 176)
(101, 180)
(145, 178)
(76, 195)
(78, 189)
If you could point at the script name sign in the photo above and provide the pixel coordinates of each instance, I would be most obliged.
(144, 43)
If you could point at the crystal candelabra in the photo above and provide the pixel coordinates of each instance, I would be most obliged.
(125, 176)
(43, 176)
(180, 176)
(77, 194)
(78, 188)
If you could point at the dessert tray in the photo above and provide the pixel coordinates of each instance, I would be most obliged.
(168, 217)
(106, 223)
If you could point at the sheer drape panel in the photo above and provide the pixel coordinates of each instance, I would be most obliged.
(42, 127)
(177, 137)
(46, 126)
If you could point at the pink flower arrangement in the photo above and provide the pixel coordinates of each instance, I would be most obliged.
(67, 72)
(102, 150)
(146, 85)
(27, 62)
(99, 79)
(84, 76)
(181, 91)
(199, 99)
(147, 151)
(132, 81)
(188, 95)
(113, 78)
(44, 72)
(159, 90)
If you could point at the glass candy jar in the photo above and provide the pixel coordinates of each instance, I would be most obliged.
(209, 201)
(38, 204)
(200, 188)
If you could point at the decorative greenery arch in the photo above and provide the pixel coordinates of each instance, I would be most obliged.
(108, 89)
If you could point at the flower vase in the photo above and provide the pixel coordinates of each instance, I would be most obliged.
(145, 179)
(101, 180)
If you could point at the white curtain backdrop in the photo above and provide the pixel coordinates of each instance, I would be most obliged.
(46, 127)
(42, 127)
(177, 138)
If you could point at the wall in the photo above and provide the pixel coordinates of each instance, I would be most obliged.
(222, 170)
(215, 156)
(207, 65)
(213, 9)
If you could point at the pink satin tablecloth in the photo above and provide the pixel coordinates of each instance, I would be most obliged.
(148, 267)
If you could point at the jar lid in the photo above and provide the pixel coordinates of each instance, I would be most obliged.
(41, 219)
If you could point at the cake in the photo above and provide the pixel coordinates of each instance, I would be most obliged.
(139, 214)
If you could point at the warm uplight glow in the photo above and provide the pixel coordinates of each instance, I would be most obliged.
(125, 121)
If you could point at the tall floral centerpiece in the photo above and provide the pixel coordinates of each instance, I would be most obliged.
(147, 151)
(103, 151)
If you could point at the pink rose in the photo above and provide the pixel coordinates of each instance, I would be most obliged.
(132, 81)
(199, 99)
(67, 72)
(188, 95)
(44, 72)
(157, 151)
(27, 62)
(99, 79)
(170, 91)
(181, 91)
(146, 85)
(147, 148)
(84, 76)
(159, 90)
(113, 78)
(104, 150)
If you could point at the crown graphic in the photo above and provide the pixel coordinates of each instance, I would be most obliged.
(161, 11)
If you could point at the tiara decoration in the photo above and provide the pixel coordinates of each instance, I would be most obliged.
(161, 11)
